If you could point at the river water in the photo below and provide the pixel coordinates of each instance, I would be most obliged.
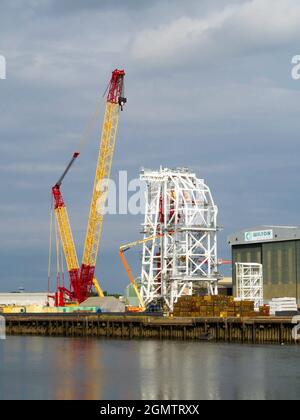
(85, 368)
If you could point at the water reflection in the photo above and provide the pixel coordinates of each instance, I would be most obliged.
(78, 364)
(68, 368)
(176, 370)
(190, 371)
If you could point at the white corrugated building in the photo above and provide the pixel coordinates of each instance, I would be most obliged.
(25, 299)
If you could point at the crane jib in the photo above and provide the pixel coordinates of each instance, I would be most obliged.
(75, 156)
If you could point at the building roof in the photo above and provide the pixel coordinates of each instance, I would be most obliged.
(264, 233)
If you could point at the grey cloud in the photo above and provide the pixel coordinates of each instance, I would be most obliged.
(71, 6)
(234, 29)
(222, 103)
(172, 6)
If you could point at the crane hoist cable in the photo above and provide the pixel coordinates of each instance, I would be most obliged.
(50, 245)
(89, 128)
(57, 255)
(62, 265)
(91, 124)
(84, 139)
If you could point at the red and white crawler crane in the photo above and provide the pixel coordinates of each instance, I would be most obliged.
(82, 279)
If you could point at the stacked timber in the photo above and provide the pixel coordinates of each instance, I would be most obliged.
(264, 310)
(213, 306)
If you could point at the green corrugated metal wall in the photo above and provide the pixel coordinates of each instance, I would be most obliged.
(281, 266)
(279, 261)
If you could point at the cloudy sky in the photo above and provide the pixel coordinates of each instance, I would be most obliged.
(209, 86)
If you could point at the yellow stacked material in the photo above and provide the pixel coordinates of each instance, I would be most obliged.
(34, 309)
(13, 309)
(213, 306)
(264, 310)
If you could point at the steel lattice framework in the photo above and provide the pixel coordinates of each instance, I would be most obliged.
(181, 217)
(250, 283)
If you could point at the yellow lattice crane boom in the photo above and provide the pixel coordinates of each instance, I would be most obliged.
(115, 101)
(66, 236)
(82, 279)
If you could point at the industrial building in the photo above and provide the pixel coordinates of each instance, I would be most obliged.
(277, 248)
(25, 299)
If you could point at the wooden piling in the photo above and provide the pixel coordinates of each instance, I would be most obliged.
(233, 330)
